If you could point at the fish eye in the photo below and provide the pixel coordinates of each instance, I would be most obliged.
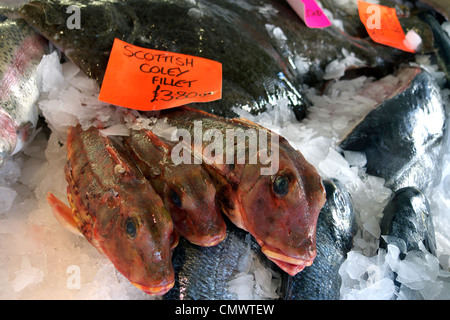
(280, 186)
(175, 198)
(130, 228)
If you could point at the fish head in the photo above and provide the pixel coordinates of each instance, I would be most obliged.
(281, 209)
(190, 197)
(137, 236)
(186, 188)
(118, 211)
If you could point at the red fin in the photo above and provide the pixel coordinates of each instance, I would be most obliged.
(175, 240)
(63, 214)
(156, 141)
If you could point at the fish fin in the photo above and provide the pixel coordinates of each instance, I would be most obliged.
(175, 240)
(229, 203)
(63, 214)
(247, 122)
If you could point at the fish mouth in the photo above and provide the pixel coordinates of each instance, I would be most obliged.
(210, 241)
(287, 263)
(154, 290)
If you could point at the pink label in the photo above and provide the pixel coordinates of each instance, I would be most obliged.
(310, 12)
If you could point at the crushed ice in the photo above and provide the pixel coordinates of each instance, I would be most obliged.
(38, 257)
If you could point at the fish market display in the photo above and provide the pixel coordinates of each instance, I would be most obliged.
(136, 235)
(21, 50)
(321, 173)
(404, 137)
(336, 228)
(117, 210)
(210, 30)
(187, 190)
(249, 38)
(256, 198)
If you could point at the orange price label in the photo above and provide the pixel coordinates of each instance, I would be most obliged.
(382, 25)
(147, 79)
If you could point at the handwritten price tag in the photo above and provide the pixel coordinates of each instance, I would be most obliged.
(147, 79)
(310, 13)
(382, 25)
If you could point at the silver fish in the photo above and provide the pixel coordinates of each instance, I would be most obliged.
(21, 50)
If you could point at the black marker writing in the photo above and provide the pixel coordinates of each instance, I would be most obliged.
(155, 93)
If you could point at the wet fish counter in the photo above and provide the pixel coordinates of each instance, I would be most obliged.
(224, 150)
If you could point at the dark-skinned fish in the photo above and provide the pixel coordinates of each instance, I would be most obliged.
(407, 221)
(403, 138)
(204, 273)
(259, 67)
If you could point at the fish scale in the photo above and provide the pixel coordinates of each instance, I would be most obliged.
(21, 50)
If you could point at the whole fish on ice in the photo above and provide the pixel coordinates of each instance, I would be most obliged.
(186, 189)
(404, 137)
(258, 43)
(117, 210)
(278, 202)
(21, 50)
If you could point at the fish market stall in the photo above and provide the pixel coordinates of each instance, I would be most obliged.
(121, 185)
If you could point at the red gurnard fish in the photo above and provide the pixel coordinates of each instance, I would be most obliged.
(117, 211)
(186, 189)
(279, 207)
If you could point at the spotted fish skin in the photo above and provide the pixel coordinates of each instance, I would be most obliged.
(21, 50)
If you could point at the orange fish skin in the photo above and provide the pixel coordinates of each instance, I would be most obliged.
(186, 189)
(118, 211)
(283, 223)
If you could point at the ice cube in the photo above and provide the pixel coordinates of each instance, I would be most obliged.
(9, 173)
(50, 72)
(7, 196)
(242, 285)
(372, 226)
(355, 158)
(26, 276)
